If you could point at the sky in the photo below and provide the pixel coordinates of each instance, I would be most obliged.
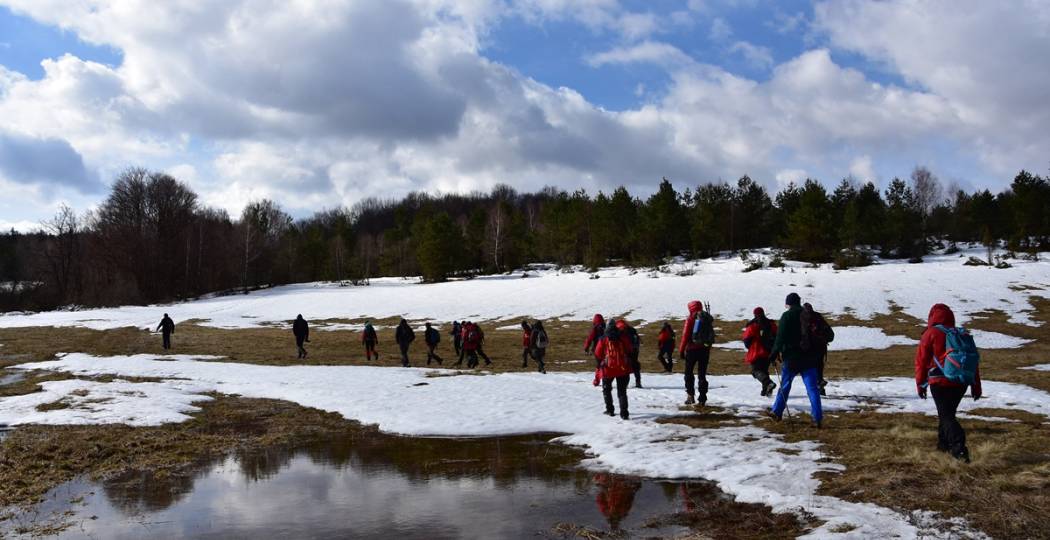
(321, 103)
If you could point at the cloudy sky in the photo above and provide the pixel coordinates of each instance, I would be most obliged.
(317, 103)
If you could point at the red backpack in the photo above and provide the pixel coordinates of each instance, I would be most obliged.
(616, 362)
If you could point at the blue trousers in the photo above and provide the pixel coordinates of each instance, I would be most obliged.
(811, 378)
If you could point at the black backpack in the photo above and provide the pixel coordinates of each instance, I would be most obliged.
(816, 333)
(703, 330)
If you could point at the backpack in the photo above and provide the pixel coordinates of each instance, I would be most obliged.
(615, 358)
(765, 334)
(632, 334)
(541, 340)
(433, 336)
(703, 331)
(816, 333)
(370, 332)
(959, 363)
(472, 335)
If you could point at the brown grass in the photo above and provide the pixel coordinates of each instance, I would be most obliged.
(891, 461)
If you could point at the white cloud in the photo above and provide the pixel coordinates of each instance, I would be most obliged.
(756, 56)
(653, 52)
(788, 176)
(861, 168)
(720, 30)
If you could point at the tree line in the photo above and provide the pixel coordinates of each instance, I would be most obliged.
(151, 240)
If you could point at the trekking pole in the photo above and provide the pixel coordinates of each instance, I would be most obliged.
(780, 377)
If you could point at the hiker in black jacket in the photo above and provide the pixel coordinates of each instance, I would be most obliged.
(404, 336)
(457, 338)
(301, 330)
(432, 337)
(166, 329)
(636, 345)
(370, 339)
(820, 334)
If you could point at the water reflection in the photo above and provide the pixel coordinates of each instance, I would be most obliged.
(377, 487)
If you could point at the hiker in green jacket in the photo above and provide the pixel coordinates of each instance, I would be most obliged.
(796, 360)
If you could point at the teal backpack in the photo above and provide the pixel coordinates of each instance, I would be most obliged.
(959, 364)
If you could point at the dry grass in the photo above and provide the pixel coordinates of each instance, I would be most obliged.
(891, 461)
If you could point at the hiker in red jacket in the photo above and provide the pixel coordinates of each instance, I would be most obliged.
(698, 334)
(471, 344)
(526, 343)
(597, 328)
(613, 354)
(946, 394)
(759, 335)
(665, 344)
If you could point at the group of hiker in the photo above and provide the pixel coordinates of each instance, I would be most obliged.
(796, 345)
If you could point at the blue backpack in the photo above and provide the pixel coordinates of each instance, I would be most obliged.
(959, 364)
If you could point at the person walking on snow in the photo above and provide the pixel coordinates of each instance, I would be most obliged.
(481, 343)
(538, 342)
(597, 328)
(471, 343)
(636, 346)
(404, 336)
(759, 336)
(820, 334)
(526, 343)
(457, 338)
(947, 394)
(301, 331)
(796, 361)
(698, 334)
(370, 339)
(432, 337)
(166, 329)
(614, 364)
(665, 344)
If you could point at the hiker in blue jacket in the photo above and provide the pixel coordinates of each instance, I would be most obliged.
(797, 360)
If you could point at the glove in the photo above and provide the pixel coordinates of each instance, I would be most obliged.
(922, 392)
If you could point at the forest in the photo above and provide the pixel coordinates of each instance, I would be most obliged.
(151, 240)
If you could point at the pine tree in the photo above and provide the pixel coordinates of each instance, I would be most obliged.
(438, 246)
(808, 234)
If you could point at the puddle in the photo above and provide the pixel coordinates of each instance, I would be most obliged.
(11, 377)
(518, 487)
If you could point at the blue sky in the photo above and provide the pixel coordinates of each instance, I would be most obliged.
(317, 107)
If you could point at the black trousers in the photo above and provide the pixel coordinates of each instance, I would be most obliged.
(404, 353)
(525, 353)
(166, 337)
(621, 393)
(760, 371)
(538, 354)
(431, 355)
(457, 343)
(299, 340)
(370, 349)
(697, 360)
(666, 358)
(950, 434)
(636, 367)
(482, 354)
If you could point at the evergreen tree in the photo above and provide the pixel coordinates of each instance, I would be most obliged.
(662, 224)
(903, 231)
(438, 246)
(808, 234)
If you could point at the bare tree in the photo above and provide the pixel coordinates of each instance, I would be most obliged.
(264, 223)
(927, 191)
(62, 253)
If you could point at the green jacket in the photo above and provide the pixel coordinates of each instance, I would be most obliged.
(789, 335)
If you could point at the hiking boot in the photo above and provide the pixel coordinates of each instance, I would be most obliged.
(769, 390)
(823, 387)
(625, 416)
(610, 413)
(701, 402)
(689, 400)
(816, 424)
(770, 414)
(637, 385)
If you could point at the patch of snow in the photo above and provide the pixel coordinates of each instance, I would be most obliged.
(848, 338)
(526, 403)
(1038, 367)
(863, 292)
(994, 340)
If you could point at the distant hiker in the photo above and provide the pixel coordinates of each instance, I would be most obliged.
(404, 336)
(471, 344)
(538, 342)
(597, 328)
(946, 362)
(759, 337)
(796, 361)
(816, 334)
(665, 344)
(636, 346)
(698, 334)
(301, 330)
(166, 329)
(370, 339)
(432, 337)
(614, 364)
(457, 337)
(526, 343)
(481, 343)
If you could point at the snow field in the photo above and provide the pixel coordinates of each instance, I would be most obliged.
(743, 460)
(548, 293)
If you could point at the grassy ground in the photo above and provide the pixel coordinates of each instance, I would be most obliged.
(889, 458)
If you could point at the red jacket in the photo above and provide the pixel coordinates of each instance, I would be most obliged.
(695, 307)
(526, 338)
(753, 333)
(933, 344)
(613, 356)
(592, 338)
(665, 340)
(472, 337)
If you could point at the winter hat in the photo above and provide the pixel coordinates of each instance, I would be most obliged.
(793, 299)
(759, 312)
